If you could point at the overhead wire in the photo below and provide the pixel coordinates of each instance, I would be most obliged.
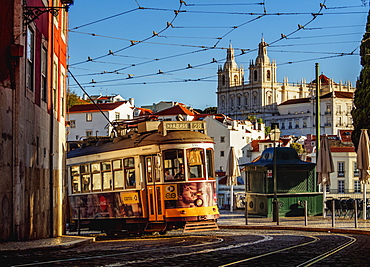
(233, 28)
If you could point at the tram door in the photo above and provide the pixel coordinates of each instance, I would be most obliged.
(155, 201)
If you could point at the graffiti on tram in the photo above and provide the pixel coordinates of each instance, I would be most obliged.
(108, 205)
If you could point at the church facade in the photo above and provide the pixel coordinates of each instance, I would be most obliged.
(291, 105)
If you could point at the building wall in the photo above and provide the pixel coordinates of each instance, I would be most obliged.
(98, 124)
(30, 193)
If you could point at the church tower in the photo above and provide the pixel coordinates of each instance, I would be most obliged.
(262, 71)
(230, 74)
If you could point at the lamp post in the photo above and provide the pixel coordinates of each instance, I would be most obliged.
(275, 136)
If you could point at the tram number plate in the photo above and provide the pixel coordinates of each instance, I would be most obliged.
(170, 192)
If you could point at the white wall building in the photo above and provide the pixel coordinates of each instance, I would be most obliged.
(88, 120)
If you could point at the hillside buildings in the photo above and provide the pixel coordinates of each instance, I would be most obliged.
(291, 105)
(33, 69)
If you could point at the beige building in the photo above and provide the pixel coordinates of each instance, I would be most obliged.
(291, 105)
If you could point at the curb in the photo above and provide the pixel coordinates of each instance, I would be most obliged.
(297, 228)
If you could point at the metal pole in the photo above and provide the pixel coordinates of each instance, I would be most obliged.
(246, 209)
(355, 206)
(78, 222)
(364, 205)
(305, 213)
(333, 214)
(275, 212)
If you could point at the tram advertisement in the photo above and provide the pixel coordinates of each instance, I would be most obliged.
(188, 195)
(107, 205)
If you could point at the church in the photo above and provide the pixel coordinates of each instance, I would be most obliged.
(291, 105)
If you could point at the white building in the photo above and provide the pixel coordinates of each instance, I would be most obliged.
(88, 120)
(289, 104)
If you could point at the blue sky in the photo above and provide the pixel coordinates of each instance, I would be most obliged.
(169, 54)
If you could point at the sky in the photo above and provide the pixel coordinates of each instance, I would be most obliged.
(170, 50)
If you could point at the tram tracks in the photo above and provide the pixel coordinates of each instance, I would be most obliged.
(228, 248)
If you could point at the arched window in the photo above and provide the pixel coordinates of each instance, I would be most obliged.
(268, 75)
(223, 80)
(235, 79)
(255, 74)
(239, 102)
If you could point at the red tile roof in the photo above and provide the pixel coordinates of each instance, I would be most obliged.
(94, 108)
(296, 101)
(339, 94)
(145, 111)
(342, 149)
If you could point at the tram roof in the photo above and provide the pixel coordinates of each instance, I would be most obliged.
(138, 140)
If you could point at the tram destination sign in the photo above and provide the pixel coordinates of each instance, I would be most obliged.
(182, 126)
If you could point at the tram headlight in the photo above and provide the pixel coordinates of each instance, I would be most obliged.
(198, 202)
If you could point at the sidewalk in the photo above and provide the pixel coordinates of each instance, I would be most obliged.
(227, 220)
(316, 223)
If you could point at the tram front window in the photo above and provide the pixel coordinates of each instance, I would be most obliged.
(174, 165)
(129, 166)
(195, 158)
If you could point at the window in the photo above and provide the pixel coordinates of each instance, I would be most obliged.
(222, 153)
(174, 164)
(55, 85)
(117, 115)
(340, 186)
(235, 80)
(255, 75)
(149, 169)
(296, 124)
(195, 160)
(222, 139)
(290, 125)
(356, 186)
(304, 124)
(96, 176)
(72, 123)
(106, 167)
(355, 170)
(238, 101)
(75, 174)
(340, 168)
(89, 133)
(62, 90)
(223, 80)
(117, 174)
(210, 164)
(30, 59)
(283, 125)
(85, 177)
(328, 188)
(88, 116)
(44, 68)
(268, 76)
(129, 169)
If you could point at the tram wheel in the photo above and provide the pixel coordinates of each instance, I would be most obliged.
(163, 232)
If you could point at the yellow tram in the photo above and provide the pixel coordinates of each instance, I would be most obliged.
(156, 176)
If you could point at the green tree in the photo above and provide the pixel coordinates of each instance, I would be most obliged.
(297, 147)
(210, 110)
(73, 99)
(361, 111)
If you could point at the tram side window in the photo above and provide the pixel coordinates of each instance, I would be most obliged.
(75, 174)
(210, 164)
(96, 176)
(107, 175)
(174, 165)
(195, 157)
(129, 167)
(85, 177)
(117, 174)
(149, 173)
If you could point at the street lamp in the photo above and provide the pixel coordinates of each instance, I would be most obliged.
(275, 136)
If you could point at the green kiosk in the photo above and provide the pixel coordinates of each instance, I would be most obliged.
(293, 183)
